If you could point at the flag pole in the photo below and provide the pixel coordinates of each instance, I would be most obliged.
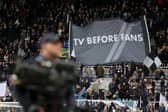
(147, 33)
(69, 41)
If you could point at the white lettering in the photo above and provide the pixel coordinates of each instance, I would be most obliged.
(104, 39)
(98, 39)
(127, 38)
(109, 38)
(89, 40)
(94, 39)
(140, 37)
(80, 41)
(133, 37)
(116, 38)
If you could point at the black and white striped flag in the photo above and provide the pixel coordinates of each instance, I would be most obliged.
(152, 62)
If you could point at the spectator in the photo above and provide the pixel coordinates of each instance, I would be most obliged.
(162, 108)
(100, 71)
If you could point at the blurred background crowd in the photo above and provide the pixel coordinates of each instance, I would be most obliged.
(24, 22)
(127, 81)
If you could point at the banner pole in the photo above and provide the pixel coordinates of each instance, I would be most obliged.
(69, 41)
(147, 33)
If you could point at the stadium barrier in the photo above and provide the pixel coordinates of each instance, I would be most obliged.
(16, 107)
(130, 104)
(10, 107)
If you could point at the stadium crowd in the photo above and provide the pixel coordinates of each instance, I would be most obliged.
(24, 22)
(128, 81)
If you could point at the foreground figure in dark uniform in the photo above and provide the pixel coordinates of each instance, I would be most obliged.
(44, 84)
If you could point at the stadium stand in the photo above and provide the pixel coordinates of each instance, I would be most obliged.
(24, 22)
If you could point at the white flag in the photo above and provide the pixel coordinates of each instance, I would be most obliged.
(73, 53)
(2, 89)
(157, 62)
(162, 98)
(148, 62)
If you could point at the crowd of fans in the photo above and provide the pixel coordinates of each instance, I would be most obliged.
(128, 81)
(162, 43)
(24, 22)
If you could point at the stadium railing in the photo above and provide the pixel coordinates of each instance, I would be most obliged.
(10, 107)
